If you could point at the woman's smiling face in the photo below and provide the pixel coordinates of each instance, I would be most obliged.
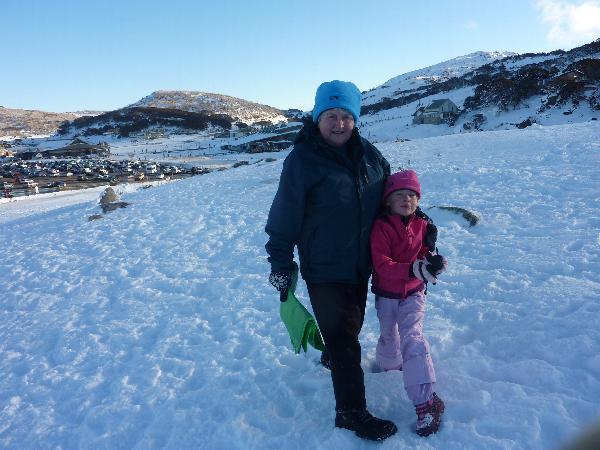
(335, 126)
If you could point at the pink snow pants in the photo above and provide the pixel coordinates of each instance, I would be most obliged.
(402, 345)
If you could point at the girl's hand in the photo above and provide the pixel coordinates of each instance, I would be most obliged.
(421, 270)
(437, 264)
(429, 268)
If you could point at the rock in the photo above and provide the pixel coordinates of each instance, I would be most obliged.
(467, 215)
(108, 196)
(108, 207)
(108, 201)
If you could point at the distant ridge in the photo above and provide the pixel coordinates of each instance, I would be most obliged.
(436, 73)
(19, 123)
(196, 101)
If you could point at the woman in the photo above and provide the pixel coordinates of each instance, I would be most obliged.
(328, 197)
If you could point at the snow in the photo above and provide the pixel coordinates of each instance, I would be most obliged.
(187, 149)
(155, 326)
(25, 206)
(443, 71)
(396, 123)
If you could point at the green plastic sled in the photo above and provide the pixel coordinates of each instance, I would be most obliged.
(301, 325)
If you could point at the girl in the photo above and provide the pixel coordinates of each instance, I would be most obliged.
(402, 242)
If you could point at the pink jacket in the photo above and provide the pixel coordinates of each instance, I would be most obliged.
(394, 247)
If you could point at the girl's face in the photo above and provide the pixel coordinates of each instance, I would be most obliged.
(336, 126)
(403, 202)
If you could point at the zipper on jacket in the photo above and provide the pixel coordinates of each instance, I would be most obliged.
(358, 191)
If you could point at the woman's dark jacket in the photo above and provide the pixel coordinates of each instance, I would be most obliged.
(326, 203)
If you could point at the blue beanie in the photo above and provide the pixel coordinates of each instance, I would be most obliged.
(337, 94)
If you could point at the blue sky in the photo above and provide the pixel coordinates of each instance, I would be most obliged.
(65, 55)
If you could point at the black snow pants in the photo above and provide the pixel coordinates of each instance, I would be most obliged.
(340, 311)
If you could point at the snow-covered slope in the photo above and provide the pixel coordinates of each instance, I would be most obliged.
(155, 327)
(437, 73)
(195, 101)
(493, 91)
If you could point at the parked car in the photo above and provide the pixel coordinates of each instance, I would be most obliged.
(28, 183)
(56, 184)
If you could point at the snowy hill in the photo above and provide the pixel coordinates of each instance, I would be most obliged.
(437, 73)
(161, 108)
(155, 327)
(195, 101)
(492, 91)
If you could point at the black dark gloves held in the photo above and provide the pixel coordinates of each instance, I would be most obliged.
(430, 238)
(282, 281)
(421, 269)
(436, 264)
(431, 233)
(429, 268)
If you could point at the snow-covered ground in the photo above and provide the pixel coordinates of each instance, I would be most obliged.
(155, 327)
(20, 207)
(396, 123)
(183, 149)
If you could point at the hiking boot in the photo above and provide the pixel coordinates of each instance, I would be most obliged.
(365, 425)
(429, 416)
(325, 361)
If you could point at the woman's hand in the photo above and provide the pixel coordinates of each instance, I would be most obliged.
(282, 281)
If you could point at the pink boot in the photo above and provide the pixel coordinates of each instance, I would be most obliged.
(429, 416)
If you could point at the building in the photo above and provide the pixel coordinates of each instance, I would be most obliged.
(439, 111)
(154, 134)
(572, 76)
(569, 77)
(77, 148)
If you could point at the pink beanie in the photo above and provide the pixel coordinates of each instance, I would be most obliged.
(407, 179)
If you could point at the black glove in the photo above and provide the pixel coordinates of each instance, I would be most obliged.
(421, 270)
(431, 233)
(430, 237)
(437, 264)
(429, 268)
(282, 281)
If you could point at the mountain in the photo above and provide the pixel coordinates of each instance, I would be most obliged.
(24, 122)
(134, 119)
(176, 109)
(437, 73)
(491, 90)
(195, 101)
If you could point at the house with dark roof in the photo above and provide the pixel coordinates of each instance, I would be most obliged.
(439, 111)
(77, 148)
(573, 76)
